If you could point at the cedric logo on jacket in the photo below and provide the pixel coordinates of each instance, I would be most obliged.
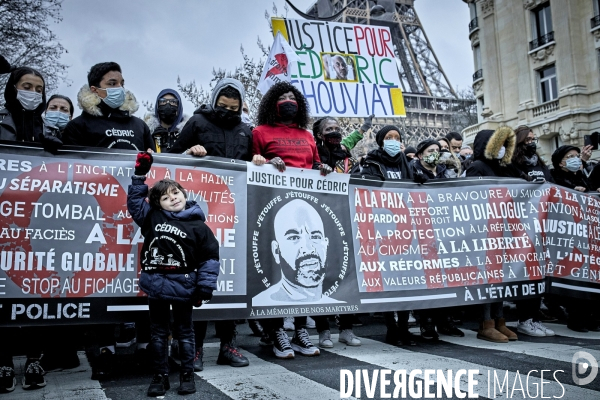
(120, 132)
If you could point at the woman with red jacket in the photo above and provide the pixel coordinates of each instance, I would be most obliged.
(281, 139)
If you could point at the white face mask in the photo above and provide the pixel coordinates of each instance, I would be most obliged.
(501, 153)
(28, 99)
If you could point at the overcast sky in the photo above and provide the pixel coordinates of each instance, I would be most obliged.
(155, 41)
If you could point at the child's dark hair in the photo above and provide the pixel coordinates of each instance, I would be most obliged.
(161, 188)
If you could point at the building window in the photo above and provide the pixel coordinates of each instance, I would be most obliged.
(541, 21)
(473, 11)
(477, 57)
(596, 17)
(547, 79)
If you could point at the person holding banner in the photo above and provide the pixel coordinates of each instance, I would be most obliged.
(217, 129)
(492, 155)
(429, 165)
(107, 120)
(167, 121)
(568, 162)
(21, 120)
(329, 138)
(180, 266)
(281, 139)
(387, 162)
(532, 168)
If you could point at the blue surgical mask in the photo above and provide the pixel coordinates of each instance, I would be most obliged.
(115, 97)
(392, 147)
(573, 164)
(57, 119)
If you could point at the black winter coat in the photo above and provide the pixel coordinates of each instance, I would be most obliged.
(114, 129)
(219, 141)
(570, 180)
(382, 166)
(199, 246)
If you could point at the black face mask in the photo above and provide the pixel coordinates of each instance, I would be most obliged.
(287, 110)
(167, 113)
(227, 117)
(332, 139)
(529, 149)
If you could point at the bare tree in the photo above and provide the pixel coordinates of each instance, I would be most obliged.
(27, 40)
(248, 73)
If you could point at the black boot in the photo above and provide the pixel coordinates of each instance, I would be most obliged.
(159, 385)
(198, 363)
(257, 329)
(187, 385)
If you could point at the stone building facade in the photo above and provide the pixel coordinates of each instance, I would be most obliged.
(537, 63)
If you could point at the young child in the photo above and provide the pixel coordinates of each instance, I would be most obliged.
(180, 266)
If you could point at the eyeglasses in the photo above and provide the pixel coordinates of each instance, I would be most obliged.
(572, 156)
(164, 102)
(531, 140)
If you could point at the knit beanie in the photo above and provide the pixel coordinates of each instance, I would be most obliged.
(559, 154)
(383, 131)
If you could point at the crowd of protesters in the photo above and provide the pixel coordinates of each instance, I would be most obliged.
(222, 128)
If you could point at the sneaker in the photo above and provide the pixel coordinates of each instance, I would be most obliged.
(281, 345)
(159, 385)
(428, 330)
(347, 336)
(543, 328)
(8, 382)
(265, 340)
(302, 344)
(449, 329)
(256, 327)
(187, 384)
(325, 339)
(529, 328)
(288, 323)
(126, 336)
(34, 375)
(198, 363)
(310, 323)
(230, 355)
(102, 365)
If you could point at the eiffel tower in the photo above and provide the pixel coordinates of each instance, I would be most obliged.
(429, 97)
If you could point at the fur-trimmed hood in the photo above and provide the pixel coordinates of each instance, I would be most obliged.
(89, 102)
(488, 143)
(153, 122)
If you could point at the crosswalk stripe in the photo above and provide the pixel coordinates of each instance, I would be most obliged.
(261, 380)
(392, 357)
(554, 351)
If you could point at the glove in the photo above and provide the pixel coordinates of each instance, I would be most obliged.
(367, 123)
(325, 169)
(143, 162)
(420, 177)
(51, 139)
(199, 295)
